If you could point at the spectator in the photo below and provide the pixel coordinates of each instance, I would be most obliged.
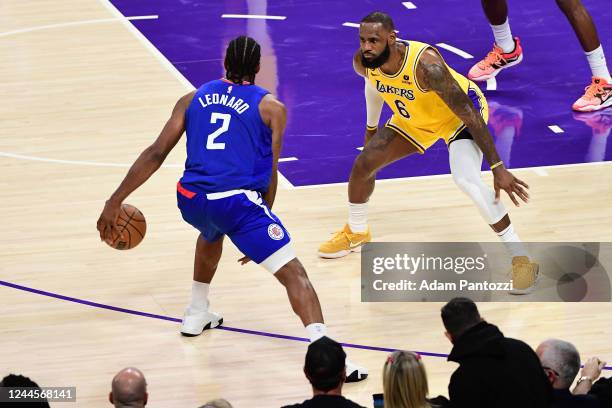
(218, 403)
(129, 389)
(325, 368)
(19, 381)
(561, 363)
(405, 381)
(494, 371)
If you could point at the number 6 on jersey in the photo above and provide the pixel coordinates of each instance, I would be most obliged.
(210, 142)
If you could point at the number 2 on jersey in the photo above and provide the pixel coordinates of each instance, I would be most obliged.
(214, 117)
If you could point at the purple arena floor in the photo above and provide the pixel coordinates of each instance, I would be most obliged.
(306, 62)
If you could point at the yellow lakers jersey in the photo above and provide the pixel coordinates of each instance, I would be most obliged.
(419, 115)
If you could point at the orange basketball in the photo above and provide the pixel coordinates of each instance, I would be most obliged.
(132, 224)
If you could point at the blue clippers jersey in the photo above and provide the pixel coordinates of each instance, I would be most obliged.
(228, 145)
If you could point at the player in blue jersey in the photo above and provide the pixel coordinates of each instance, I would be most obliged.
(234, 137)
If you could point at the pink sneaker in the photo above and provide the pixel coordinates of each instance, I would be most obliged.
(598, 96)
(600, 122)
(495, 61)
(502, 117)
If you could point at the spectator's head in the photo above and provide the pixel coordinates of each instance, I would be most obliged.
(405, 381)
(129, 389)
(459, 315)
(325, 365)
(561, 362)
(19, 381)
(218, 403)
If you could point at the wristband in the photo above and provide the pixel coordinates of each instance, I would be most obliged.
(499, 163)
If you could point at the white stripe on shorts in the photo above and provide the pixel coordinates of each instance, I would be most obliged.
(255, 198)
(225, 194)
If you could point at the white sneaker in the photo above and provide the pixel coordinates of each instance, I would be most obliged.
(355, 373)
(196, 321)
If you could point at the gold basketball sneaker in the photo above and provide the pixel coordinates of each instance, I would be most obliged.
(343, 243)
(525, 275)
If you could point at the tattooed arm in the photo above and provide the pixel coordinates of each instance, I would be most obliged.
(432, 74)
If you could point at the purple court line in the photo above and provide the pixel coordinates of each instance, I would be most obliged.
(174, 319)
(227, 328)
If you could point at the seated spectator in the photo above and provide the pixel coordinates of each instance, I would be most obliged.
(494, 371)
(405, 381)
(218, 403)
(325, 368)
(129, 389)
(19, 381)
(561, 363)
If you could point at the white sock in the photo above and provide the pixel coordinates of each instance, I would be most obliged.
(503, 36)
(358, 217)
(316, 331)
(597, 62)
(512, 242)
(199, 296)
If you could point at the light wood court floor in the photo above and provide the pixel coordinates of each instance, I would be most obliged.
(74, 93)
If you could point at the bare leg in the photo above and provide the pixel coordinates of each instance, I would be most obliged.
(582, 23)
(207, 256)
(302, 295)
(385, 147)
(305, 304)
(496, 11)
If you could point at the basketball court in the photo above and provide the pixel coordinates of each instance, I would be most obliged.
(88, 84)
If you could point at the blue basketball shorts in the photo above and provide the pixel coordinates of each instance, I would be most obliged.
(245, 218)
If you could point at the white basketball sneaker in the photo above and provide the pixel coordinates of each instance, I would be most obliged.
(355, 373)
(196, 321)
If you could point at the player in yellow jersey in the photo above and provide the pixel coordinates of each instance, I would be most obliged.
(430, 101)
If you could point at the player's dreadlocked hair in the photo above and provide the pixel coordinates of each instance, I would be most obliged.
(241, 59)
(379, 17)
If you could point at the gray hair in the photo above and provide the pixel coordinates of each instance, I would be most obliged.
(562, 357)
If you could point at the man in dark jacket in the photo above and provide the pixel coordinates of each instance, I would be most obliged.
(494, 371)
(325, 368)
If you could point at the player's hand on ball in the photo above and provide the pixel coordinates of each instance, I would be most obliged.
(244, 260)
(504, 180)
(107, 223)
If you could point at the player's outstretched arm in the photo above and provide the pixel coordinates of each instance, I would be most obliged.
(145, 165)
(432, 74)
(274, 115)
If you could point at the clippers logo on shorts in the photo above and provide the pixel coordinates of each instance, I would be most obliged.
(275, 232)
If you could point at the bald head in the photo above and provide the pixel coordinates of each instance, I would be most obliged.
(218, 403)
(561, 357)
(129, 389)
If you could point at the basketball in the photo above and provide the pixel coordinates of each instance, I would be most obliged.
(132, 224)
